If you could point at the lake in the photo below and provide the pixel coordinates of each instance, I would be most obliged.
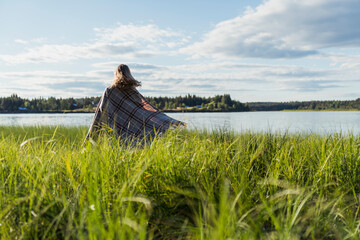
(310, 122)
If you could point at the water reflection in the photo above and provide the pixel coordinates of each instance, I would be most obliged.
(311, 122)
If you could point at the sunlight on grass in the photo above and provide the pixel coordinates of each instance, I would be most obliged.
(184, 184)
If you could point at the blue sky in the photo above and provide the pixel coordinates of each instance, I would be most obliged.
(274, 50)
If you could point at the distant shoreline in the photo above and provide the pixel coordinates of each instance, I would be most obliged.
(185, 111)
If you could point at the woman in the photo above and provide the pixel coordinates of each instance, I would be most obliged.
(123, 110)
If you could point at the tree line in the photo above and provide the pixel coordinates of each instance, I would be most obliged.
(14, 103)
(220, 103)
(306, 105)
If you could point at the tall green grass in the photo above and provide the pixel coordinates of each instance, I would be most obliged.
(182, 185)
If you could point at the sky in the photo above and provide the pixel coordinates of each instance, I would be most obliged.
(254, 50)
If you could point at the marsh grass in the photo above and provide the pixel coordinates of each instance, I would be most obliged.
(182, 185)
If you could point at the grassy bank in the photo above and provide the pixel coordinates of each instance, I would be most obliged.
(186, 184)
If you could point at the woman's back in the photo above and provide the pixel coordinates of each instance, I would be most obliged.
(129, 114)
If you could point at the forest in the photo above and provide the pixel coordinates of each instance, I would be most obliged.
(14, 103)
(191, 103)
(220, 103)
(306, 105)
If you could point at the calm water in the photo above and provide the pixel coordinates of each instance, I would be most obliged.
(311, 122)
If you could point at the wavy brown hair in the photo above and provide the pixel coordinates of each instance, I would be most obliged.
(123, 78)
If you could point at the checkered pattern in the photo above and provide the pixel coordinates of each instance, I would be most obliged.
(130, 115)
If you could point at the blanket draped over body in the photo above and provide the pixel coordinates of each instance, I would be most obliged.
(129, 115)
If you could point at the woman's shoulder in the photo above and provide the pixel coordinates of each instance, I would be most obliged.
(116, 92)
(109, 89)
(106, 91)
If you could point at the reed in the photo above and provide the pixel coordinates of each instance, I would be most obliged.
(182, 185)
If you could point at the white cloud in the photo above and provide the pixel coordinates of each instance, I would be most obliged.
(245, 82)
(62, 53)
(275, 29)
(235, 78)
(39, 40)
(134, 34)
(125, 41)
(283, 29)
(133, 65)
(53, 83)
(20, 41)
(346, 62)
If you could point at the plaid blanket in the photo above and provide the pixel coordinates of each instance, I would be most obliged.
(130, 115)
